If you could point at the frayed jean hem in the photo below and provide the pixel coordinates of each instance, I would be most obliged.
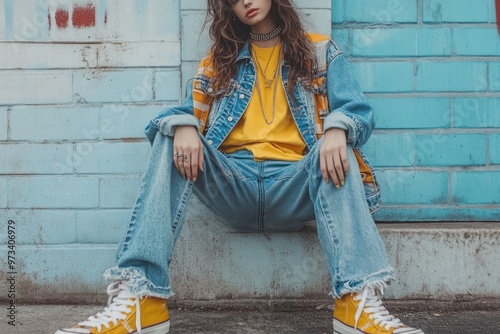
(384, 276)
(137, 282)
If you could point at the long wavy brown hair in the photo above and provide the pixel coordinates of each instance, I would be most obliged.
(229, 35)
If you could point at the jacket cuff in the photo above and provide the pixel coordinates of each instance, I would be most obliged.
(341, 121)
(169, 123)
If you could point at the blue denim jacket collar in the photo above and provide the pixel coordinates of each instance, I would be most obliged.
(244, 52)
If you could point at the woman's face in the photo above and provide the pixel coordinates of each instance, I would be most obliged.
(251, 12)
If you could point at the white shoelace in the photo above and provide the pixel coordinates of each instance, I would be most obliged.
(120, 302)
(371, 303)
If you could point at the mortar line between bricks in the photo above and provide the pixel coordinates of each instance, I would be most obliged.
(96, 175)
(423, 25)
(439, 168)
(105, 69)
(91, 105)
(79, 141)
(92, 43)
(377, 131)
(434, 94)
(439, 206)
(134, 140)
(439, 59)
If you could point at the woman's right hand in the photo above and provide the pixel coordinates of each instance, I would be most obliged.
(188, 152)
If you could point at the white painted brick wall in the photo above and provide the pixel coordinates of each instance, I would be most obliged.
(51, 192)
(139, 54)
(47, 56)
(111, 225)
(113, 86)
(112, 158)
(31, 158)
(65, 123)
(36, 227)
(35, 87)
(117, 20)
(128, 185)
(119, 121)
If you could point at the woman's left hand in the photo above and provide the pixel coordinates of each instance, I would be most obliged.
(333, 156)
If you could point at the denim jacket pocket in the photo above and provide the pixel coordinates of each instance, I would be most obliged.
(372, 195)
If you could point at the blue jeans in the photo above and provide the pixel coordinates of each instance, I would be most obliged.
(268, 196)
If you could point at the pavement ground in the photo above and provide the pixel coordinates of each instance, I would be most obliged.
(44, 319)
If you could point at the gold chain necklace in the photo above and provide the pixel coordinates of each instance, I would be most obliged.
(267, 81)
(259, 94)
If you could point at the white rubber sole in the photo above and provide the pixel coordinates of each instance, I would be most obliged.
(162, 328)
(340, 328)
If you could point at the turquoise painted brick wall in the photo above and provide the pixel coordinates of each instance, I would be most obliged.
(73, 106)
(431, 70)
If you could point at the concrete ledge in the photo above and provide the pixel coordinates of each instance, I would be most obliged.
(432, 260)
(213, 263)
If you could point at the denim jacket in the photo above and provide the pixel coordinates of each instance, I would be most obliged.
(334, 100)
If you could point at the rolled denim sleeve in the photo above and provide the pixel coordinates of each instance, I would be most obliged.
(349, 109)
(172, 117)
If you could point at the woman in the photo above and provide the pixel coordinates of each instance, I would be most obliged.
(272, 111)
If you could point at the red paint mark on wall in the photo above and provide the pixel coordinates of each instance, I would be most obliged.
(62, 17)
(84, 17)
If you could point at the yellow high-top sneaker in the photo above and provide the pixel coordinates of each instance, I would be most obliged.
(363, 313)
(126, 314)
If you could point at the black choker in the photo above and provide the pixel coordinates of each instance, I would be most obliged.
(266, 37)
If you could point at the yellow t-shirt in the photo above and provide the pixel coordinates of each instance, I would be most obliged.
(279, 140)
